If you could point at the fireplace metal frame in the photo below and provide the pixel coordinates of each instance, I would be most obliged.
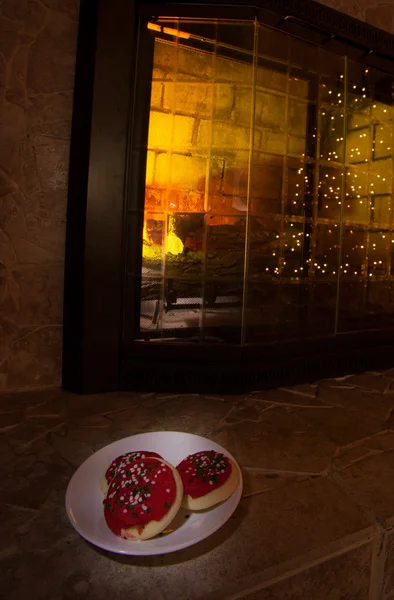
(105, 101)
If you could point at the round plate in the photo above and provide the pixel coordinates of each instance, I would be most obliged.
(84, 499)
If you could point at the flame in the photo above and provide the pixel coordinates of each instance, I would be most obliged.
(168, 31)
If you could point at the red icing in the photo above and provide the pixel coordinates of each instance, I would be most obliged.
(140, 492)
(204, 472)
(126, 459)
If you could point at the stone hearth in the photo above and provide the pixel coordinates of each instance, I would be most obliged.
(315, 521)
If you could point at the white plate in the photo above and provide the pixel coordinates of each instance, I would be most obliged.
(84, 499)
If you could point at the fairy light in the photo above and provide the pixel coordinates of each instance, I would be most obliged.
(358, 198)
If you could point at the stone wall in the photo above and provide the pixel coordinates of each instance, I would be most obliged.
(37, 56)
(375, 12)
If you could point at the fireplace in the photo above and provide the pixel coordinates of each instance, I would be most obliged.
(232, 224)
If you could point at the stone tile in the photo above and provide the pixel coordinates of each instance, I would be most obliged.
(70, 7)
(73, 450)
(297, 396)
(29, 432)
(376, 404)
(54, 408)
(10, 421)
(342, 427)
(52, 56)
(370, 482)
(49, 110)
(194, 414)
(11, 520)
(345, 577)
(266, 530)
(91, 438)
(49, 528)
(278, 442)
(40, 294)
(304, 389)
(101, 404)
(388, 575)
(259, 481)
(249, 410)
(13, 124)
(380, 16)
(28, 479)
(348, 455)
(7, 451)
(370, 381)
(134, 420)
(8, 37)
(36, 357)
(355, 8)
(27, 399)
(388, 373)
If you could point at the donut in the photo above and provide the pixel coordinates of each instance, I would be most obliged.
(143, 498)
(208, 478)
(123, 460)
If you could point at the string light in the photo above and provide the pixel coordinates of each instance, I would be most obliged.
(333, 186)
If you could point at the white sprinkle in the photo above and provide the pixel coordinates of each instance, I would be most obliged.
(124, 510)
(211, 483)
(168, 491)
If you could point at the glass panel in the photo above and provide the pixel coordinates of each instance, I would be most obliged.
(325, 257)
(223, 310)
(268, 194)
(264, 251)
(262, 310)
(153, 244)
(322, 311)
(266, 185)
(351, 309)
(197, 193)
(332, 135)
(357, 202)
(182, 308)
(366, 257)
(228, 182)
(379, 304)
(225, 246)
(330, 193)
(151, 306)
(293, 309)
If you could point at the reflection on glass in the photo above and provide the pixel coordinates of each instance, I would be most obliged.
(268, 193)
(330, 193)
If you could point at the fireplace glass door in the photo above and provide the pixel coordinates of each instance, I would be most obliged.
(267, 205)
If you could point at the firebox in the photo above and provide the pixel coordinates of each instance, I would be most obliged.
(249, 236)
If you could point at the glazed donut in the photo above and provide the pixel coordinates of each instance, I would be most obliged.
(208, 478)
(143, 498)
